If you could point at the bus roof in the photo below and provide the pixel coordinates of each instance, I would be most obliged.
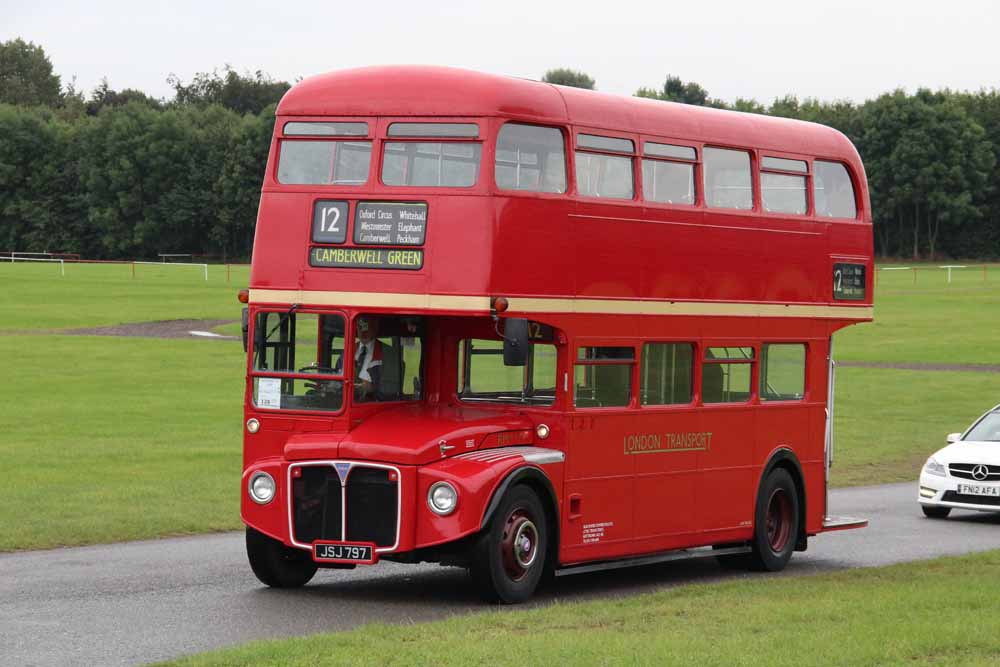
(417, 90)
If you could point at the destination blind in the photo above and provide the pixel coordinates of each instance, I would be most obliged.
(849, 282)
(375, 224)
(367, 258)
(390, 223)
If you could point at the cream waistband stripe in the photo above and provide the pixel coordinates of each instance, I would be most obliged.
(560, 305)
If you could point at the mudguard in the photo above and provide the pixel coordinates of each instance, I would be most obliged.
(481, 478)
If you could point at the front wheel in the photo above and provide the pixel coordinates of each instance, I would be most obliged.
(776, 522)
(275, 564)
(509, 556)
(932, 512)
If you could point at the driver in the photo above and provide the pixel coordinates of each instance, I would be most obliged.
(367, 360)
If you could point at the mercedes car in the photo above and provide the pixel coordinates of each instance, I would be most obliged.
(965, 474)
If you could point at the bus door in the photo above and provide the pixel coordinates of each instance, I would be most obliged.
(599, 505)
(728, 420)
(665, 440)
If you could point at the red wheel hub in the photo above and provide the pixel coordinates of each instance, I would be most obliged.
(779, 520)
(518, 544)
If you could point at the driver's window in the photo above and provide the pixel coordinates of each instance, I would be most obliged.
(482, 375)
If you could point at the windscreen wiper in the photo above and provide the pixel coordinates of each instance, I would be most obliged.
(284, 318)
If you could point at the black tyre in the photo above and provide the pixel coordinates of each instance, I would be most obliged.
(932, 512)
(776, 522)
(508, 559)
(275, 564)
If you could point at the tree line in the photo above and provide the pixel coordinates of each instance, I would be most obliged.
(119, 174)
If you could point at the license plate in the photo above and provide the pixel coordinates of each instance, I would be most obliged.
(344, 552)
(979, 490)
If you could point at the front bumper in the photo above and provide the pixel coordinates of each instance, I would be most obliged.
(936, 491)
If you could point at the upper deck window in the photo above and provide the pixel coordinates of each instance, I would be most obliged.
(600, 175)
(784, 164)
(325, 129)
(613, 144)
(459, 130)
(530, 158)
(431, 164)
(783, 192)
(303, 162)
(834, 191)
(668, 180)
(727, 179)
(653, 149)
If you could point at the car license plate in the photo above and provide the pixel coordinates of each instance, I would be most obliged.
(343, 552)
(979, 490)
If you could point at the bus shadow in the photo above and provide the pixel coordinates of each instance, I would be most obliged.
(451, 588)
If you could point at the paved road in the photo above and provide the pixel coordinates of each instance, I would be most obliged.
(144, 601)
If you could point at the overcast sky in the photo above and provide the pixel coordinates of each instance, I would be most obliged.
(830, 49)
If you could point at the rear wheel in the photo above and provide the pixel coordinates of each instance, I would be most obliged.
(776, 522)
(932, 512)
(509, 556)
(275, 564)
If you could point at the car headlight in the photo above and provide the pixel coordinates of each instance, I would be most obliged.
(442, 498)
(932, 467)
(261, 488)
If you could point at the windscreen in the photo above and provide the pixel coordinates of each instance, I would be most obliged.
(309, 345)
(987, 430)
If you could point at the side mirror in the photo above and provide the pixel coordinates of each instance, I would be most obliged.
(246, 327)
(515, 342)
(953, 437)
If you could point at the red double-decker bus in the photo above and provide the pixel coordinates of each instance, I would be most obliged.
(531, 330)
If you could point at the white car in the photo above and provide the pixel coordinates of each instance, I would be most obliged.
(965, 474)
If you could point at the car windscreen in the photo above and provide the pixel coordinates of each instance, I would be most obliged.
(986, 429)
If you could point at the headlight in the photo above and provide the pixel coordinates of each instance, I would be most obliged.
(442, 498)
(932, 467)
(261, 488)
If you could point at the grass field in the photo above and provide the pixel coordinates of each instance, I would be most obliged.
(107, 438)
(930, 322)
(940, 612)
(35, 296)
(110, 438)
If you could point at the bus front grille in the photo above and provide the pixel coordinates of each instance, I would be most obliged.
(368, 502)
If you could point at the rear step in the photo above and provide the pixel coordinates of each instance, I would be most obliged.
(680, 554)
(831, 523)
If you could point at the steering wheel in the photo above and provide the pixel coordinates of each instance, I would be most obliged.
(321, 387)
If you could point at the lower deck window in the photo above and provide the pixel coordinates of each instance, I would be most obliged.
(726, 374)
(782, 372)
(602, 377)
(666, 373)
